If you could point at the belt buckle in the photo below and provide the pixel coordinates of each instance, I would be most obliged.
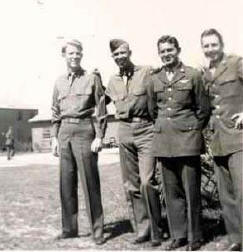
(74, 120)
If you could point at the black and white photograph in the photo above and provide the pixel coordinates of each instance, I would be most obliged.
(121, 125)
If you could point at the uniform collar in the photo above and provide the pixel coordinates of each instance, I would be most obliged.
(222, 60)
(128, 71)
(78, 73)
(177, 67)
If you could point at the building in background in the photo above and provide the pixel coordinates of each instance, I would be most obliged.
(41, 131)
(17, 116)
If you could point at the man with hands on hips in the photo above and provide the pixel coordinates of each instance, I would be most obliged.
(223, 77)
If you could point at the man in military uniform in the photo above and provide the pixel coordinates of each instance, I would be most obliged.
(75, 96)
(224, 82)
(10, 142)
(180, 111)
(128, 90)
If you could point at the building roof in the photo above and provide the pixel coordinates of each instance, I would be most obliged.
(46, 115)
(17, 106)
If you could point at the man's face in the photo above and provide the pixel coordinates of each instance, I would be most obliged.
(122, 56)
(168, 53)
(73, 56)
(212, 48)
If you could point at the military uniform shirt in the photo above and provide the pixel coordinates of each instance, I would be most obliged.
(76, 97)
(130, 97)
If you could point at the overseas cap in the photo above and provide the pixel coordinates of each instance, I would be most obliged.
(116, 43)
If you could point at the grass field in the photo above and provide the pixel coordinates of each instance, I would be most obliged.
(30, 214)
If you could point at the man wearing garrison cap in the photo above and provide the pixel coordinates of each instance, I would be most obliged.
(75, 96)
(128, 90)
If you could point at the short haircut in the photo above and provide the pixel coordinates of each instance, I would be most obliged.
(73, 42)
(169, 39)
(212, 31)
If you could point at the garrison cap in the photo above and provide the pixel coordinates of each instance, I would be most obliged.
(115, 43)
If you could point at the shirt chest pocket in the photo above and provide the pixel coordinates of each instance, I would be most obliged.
(229, 86)
(182, 93)
(159, 90)
(75, 99)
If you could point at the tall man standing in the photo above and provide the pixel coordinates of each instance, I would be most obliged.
(180, 111)
(75, 96)
(128, 90)
(224, 82)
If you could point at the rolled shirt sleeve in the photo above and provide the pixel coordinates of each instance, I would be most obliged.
(56, 117)
(101, 112)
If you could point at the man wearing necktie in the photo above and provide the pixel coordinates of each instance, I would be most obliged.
(180, 109)
(224, 82)
(128, 91)
(77, 141)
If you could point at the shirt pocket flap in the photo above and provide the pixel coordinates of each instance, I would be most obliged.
(228, 79)
(159, 88)
(139, 91)
(185, 85)
(84, 91)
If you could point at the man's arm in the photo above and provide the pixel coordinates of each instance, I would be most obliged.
(238, 118)
(101, 114)
(202, 105)
(56, 121)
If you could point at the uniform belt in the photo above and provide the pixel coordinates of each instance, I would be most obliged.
(75, 120)
(137, 119)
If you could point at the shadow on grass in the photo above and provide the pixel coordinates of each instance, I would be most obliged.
(117, 228)
(213, 228)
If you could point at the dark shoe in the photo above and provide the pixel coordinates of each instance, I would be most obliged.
(192, 246)
(140, 239)
(234, 247)
(177, 244)
(155, 242)
(99, 240)
(66, 236)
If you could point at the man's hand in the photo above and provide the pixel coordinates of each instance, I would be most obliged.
(55, 147)
(96, 145)
(238, 118)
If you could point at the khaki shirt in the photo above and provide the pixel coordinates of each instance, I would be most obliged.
(225, 87)
(76, 97)
(130, 96)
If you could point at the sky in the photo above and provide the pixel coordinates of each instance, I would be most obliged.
(33, 31)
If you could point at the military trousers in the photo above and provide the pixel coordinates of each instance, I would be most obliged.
(138, 169)
(228, 171)
(10, 151)
(181, 177)
(76, 157)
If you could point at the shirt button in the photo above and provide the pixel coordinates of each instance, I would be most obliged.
(217, 106)
(168, 118)
(216, 96)
(217, 116)
(169, 98)
(168, 108)
(169, 89)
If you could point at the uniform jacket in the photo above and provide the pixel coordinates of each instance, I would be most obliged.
(76, 97)
(180, 108)
(225, 89)
(131, 99)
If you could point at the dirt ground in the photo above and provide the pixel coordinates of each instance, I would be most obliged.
(30, 214)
